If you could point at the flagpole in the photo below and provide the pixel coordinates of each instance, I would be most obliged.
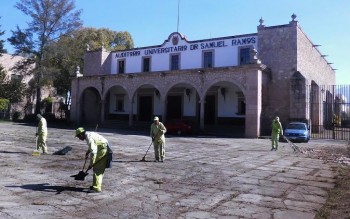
(178, 15)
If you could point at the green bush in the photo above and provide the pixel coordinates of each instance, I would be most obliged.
(4, 104)
(47, 100)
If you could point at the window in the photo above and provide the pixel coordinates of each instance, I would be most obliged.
(208, 59)
(146, 64)
(119, 103)
(174, 62)
(244, 56)
(241, 103)
(121, 66)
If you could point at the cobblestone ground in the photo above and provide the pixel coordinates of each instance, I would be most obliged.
(201, 177)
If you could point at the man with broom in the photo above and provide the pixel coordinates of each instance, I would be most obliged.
(277, 130)
(98, 150)
(41, 134)
(157, 134)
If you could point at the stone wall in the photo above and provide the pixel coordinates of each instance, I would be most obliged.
(97, 62)
(311, 63)
(286, 50)
(277, 49)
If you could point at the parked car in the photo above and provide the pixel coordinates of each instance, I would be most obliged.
(297, 131)
(179, 127)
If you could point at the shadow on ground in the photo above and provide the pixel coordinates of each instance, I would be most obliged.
(46, 187)
(132, 161)
(12, 152)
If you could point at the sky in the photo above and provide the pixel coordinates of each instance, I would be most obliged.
(150, 22)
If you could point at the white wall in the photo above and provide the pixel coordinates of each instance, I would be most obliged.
(189, 103)
(225, 49)
(228, 106)
(112, 101)
(157, 108)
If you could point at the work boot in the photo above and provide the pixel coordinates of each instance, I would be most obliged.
(156, 160)
(93, 191)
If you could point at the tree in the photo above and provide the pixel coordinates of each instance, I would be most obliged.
(2, 49)
(50, 20)
(68, 52)
(13, 90)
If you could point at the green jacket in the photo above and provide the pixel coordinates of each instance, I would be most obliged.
(277, 127)
(42, 126)
(97, 146)
(157, 132)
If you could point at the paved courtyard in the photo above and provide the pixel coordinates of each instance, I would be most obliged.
(202, 177)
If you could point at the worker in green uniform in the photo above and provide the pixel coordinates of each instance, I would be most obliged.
(157, 134)
(41, 134)
(97, 148)
(276, 132)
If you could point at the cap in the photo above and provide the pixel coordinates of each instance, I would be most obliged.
(156, 118)
(79, 130)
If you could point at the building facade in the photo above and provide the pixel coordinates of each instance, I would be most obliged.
(27, 104)
(240, 81)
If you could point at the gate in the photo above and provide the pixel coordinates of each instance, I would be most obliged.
(329, 111)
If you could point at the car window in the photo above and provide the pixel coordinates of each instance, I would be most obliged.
(297, 126)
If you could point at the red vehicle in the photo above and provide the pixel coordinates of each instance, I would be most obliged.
(179, 127)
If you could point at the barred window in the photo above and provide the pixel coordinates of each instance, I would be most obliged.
(208, 59)
(121, 66)
(244, 56)
(146, 64)
(174, 62)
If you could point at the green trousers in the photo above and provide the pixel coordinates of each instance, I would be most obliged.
(41, 142)
(159, 150)
(99, 169)
(275, 138)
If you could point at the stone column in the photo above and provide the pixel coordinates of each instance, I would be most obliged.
(75, 104)
(103, 102)
(75, 95)
(253, 103)
(131, 113)
(201, 116)
(163, 104)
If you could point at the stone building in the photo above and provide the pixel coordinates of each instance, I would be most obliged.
(27, 105)
(230, 83)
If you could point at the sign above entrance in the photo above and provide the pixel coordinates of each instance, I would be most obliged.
(178, 43)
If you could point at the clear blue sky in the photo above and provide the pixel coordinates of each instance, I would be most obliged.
(150, 22)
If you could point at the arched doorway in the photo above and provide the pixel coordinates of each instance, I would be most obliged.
(225, 108)
(90, 106)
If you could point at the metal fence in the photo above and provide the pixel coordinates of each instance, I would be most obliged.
(329, 108)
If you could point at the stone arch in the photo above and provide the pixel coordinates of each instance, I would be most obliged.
(224, 104)
(182, 101)
(146, 98)
(174, 83)
(116, 103)
(110, 86)
(90, 106)
(210, 83)
(133, 91)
